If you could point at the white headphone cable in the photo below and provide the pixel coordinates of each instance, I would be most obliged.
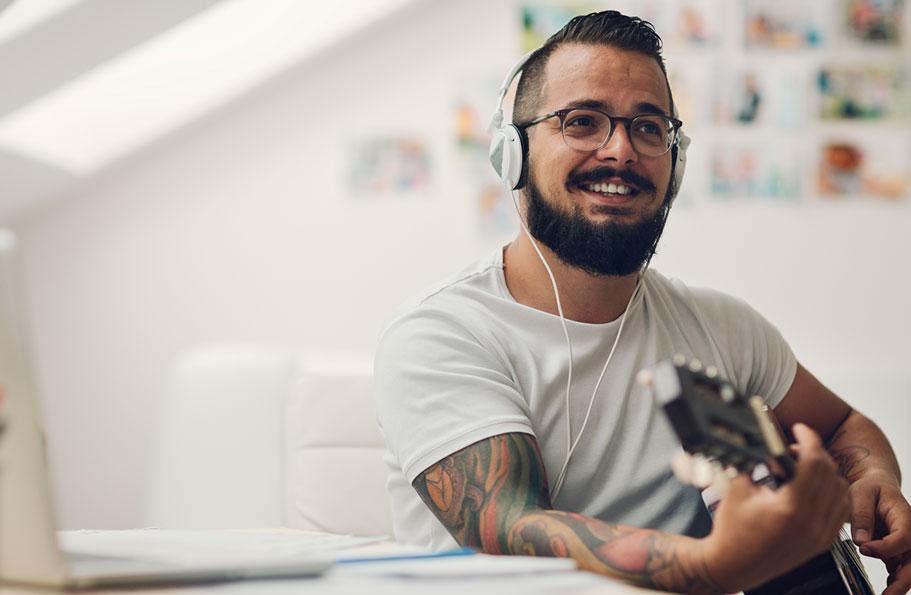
(570, 443)
(558, 485)
(569, 343)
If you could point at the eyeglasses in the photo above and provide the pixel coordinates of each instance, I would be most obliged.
(589, 129)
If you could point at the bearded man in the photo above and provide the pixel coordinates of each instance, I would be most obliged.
(501, 438)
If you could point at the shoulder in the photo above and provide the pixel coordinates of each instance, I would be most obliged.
(454, 304)
(704, 303)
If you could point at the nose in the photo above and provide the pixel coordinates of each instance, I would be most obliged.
(619, 147)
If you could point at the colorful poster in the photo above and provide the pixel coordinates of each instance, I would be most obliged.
(473, 108)
(540, 20)
(874, 21)
(786, 25)
(758, 96)
(864, 168)
(388, 165)
(691, 23)
(751, 172)
(864, 92)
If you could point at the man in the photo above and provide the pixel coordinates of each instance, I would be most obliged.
(492, 445)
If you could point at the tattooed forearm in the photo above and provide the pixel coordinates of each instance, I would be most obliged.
(641, 556)
(493, 496)
(849, 457)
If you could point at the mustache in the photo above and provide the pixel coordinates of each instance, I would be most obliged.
(603, 173)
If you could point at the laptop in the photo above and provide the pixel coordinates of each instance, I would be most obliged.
(30, 545)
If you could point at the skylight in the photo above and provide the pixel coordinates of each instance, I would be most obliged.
(22, 15)
(163, 84)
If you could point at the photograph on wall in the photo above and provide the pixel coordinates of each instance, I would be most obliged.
(474, 105)
(690, 23)
(385, 166)
(690, 97)
(758, 96)
(786, 25)
(870, 169)
(540, 20)
(864, 92)
(755, 173)
(878, 22)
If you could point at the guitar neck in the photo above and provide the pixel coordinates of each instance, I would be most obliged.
(775, 438)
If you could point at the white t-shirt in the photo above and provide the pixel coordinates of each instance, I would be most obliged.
(467, 362)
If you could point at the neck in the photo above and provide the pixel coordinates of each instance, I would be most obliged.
(584, 297)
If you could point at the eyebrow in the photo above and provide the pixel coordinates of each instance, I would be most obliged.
(644, 107)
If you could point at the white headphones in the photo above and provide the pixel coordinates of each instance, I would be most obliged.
(509, 143)
(508, 155)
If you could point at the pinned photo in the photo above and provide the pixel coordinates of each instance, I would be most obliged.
(862, 169)
(755, 96)
(474, 106)
(388, 166)
(540, 20)
(684, 23)
(748, 172)
(786, 25)
(864, 92)
(875, 21)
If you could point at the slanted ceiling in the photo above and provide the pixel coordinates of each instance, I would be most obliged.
(89, 82)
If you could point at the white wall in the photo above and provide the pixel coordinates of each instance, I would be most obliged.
(241, 230)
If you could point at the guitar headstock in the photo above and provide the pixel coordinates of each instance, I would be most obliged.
(713, 421)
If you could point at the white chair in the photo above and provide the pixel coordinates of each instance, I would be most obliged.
(335, 477)
(218, 462)
(258, 438)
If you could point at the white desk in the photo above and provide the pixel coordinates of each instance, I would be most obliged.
(374, 578)
(336, 582)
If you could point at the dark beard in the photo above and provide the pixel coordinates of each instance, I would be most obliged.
(608, 249)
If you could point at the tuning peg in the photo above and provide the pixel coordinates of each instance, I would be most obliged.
(760, 472)
(728, 394)
(711, 371)
(703, 472)
(679, 360)
(695, 366)
(682, 466)
(721, 483)
(645, 377)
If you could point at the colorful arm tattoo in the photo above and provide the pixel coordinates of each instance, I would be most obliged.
(493, 496)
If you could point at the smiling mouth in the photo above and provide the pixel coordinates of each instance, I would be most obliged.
(611, 189)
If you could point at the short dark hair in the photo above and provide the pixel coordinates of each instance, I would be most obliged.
(603, 28)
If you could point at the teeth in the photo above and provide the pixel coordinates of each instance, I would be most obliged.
(610, 188)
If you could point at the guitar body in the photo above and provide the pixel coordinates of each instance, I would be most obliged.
(819, 576)
(714, 421)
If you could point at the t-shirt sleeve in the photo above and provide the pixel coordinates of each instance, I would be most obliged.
(438, 390)
(759, 360)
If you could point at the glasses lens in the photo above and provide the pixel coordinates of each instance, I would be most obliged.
(585, 130)
(652, 135)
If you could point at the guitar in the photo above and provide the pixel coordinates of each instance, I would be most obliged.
(727, 433)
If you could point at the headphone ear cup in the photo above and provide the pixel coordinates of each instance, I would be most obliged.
(507, 155)
(683, 143)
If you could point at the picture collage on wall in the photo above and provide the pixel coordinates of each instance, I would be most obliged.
(474, 106)
(387, 166)
(786, 101)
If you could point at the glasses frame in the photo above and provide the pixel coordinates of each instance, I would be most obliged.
(614, 120)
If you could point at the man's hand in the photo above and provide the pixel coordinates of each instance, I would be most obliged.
(880, 517)
(493, 496)
(759, 534)
(881, 525)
